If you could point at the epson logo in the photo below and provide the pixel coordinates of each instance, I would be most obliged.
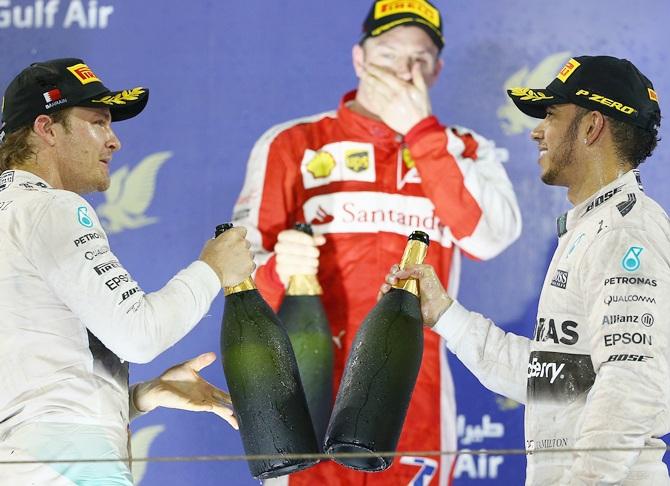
(560, 280)
(106, 267)
(628, 357)
(630, 281)
(117, 281)
(627, 338)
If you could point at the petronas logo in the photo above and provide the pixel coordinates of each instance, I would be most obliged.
(514, 121)
(130, 194)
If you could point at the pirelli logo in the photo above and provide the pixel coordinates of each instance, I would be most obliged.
(106, 267)
(652, 95)
(83, 73)
(567, 70)
(416, 7)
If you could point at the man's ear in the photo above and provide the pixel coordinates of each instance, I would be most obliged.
(43, 126)
(594, 127)
(358, 59)
(436, 72)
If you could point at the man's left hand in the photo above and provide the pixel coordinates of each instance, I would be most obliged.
(400, 104)
(183, 388)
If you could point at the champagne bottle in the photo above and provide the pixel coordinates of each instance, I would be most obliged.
(264, 383)
(380, 373)
(304, 317)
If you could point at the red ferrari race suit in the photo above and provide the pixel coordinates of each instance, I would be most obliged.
(366, 188)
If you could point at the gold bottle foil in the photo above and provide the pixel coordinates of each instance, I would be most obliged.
(303, 285)
(414, 254)
(247, 284)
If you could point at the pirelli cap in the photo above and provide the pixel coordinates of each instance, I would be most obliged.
(387, 14)
(50, 86)
(613, 86)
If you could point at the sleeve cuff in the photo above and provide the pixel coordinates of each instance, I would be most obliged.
(452, 323)
(205, 274)
(133, 412)
(425, 126)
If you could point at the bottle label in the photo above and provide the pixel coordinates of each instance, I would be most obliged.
(415, 253)
(303, 285)
(247, 284)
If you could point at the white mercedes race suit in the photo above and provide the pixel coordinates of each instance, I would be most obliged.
(595, 374)
(72, 317)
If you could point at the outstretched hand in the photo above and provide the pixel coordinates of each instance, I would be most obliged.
(434, 299)
(183, 388)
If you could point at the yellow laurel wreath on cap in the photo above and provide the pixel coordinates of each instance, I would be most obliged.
(122, 97)
(526, 94)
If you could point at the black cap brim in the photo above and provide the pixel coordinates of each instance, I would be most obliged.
(534, 102)
(123, 104)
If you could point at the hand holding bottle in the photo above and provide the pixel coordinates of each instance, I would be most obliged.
(434, 299)
(297, 254)
(229, 256)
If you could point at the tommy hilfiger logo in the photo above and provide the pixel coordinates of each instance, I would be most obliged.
(560, 280)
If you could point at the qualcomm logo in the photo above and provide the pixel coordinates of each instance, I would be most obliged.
(46, 13)
(129, 195)
(514, 121)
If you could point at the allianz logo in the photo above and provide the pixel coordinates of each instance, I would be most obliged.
(545, 370)
(613, 299)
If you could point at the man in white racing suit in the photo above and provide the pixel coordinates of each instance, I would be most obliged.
(72, 316)
(594, 376)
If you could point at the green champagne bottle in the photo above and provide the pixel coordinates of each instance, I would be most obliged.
(264, 383)
(380, 374)
(306, 323)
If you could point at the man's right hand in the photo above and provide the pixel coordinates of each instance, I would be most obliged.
(229, 256)
(434, 299)
(297, 254)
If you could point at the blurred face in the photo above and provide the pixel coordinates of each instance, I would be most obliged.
(556, 136)
(84, 148)
(398, 50)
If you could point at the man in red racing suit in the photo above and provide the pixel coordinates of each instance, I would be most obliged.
(365, 179)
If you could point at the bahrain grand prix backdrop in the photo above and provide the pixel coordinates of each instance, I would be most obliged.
(222, 72)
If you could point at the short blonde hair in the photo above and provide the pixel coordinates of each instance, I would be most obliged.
(17, 149)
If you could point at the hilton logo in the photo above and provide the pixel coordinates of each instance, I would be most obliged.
(560, 280)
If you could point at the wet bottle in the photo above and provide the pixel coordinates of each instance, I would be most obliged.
(380, 373)
(306, 323)
(264, 383)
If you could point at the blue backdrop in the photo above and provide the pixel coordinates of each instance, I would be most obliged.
(221, 72)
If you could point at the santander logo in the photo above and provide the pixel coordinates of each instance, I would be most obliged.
(373, 212)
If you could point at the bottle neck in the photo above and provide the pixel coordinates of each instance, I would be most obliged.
(247, 284)
(303, 285)
(415, 253)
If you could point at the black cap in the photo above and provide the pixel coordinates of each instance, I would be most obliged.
(305, 228)
(387, 14)
(419, 236)
(222, 228)
(50, 86)
(613, 86)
